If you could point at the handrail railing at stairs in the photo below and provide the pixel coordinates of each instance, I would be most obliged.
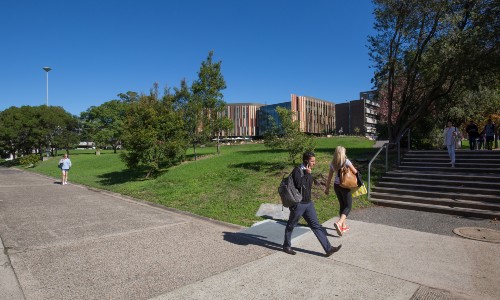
(386, 147)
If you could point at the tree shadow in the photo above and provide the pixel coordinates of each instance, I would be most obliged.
(269, 150)
(124, 176)
(262, 166)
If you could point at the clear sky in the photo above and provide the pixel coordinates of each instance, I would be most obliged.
(99, 48)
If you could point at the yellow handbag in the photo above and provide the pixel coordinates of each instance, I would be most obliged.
(356, 192)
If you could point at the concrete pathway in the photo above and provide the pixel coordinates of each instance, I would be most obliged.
(71, 242)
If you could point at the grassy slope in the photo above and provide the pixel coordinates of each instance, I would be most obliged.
(228, 187)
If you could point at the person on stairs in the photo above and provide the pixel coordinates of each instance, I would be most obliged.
(451, 134)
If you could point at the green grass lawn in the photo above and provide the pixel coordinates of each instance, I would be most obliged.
(229, 187)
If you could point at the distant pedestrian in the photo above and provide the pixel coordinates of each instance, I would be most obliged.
(343, 194)
(65, 165)
(473, 134)
(451, 134)
(303, 180)
(489, 132)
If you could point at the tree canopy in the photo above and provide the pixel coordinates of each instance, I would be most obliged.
(434, 57)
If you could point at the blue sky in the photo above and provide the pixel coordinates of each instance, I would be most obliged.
(98, 48)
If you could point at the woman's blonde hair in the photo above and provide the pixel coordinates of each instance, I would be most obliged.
(339, 158)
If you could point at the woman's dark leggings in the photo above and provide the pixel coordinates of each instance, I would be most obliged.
(345, 199)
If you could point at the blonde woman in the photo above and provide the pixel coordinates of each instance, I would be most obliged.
(343, 195)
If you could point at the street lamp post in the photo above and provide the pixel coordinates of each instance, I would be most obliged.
(47, 69)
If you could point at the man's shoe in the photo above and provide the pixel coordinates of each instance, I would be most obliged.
(333, 250)
(289, 251)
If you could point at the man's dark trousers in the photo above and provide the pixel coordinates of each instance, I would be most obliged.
(472, 142)
(307, 211)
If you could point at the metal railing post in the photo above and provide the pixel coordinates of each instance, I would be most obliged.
(386, 145)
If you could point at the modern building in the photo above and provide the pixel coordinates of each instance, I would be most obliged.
(357, 117)
(268, 115)
(371, 111)
(244, 117)
(315, 116)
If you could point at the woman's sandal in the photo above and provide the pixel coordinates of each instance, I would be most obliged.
(338, 228)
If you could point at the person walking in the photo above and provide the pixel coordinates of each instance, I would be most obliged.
(343, 194)
(450, 134)
(65, 165)
(489, 132)
(303, 180)
(473, 134)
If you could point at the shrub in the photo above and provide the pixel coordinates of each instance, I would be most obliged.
(29, 161)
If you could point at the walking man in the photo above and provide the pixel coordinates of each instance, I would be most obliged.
(302, 180)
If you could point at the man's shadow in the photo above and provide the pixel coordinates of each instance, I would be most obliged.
(245, 239)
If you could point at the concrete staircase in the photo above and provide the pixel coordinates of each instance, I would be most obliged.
(425, 181)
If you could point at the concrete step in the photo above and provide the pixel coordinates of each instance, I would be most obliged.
(468, 176)
(469, 212)
(458, 164)
(440, 188)
(457, 169)
(433, 193)
(479, 153)
(446, 159)
(493, 206)
(455, 182)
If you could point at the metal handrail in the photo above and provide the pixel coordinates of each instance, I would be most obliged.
(386, 146)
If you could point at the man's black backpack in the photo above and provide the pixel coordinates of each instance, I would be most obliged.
(288, 193)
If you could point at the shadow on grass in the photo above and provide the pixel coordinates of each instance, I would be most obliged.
(127, 175)
(263, 151)
(262, 166)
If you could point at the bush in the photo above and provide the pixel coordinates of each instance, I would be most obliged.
(29, 160)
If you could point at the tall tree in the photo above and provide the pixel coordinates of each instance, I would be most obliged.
(154, 132)
(427, 51)
(207, 92)
(104, 123)
(192, 110)
(35, 128)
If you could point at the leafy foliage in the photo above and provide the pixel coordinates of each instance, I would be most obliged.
(103, 124)
(288, 136)
(153, 132)
(29, 160)
(29, 128)
(429, 54)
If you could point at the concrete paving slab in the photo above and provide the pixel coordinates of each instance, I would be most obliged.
(43, 215)
(137, 265)
(302, 276)
(273, 211)
(468, 268)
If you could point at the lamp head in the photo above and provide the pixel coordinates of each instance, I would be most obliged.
(47, 69)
